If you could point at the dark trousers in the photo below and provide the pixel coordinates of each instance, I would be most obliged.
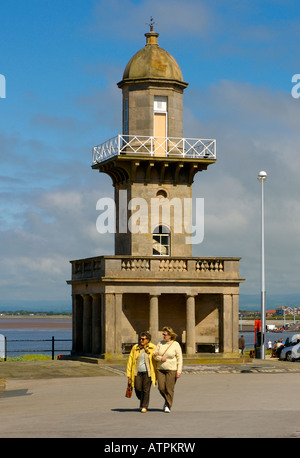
(142, 386)
(166, 384)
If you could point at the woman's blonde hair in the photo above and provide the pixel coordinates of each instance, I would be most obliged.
(170, 331)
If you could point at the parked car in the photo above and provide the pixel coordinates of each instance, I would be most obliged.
(290, 353)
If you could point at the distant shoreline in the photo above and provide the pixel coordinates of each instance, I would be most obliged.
(35, 317)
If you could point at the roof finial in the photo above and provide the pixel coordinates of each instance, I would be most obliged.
(151, 24)
(151, 37)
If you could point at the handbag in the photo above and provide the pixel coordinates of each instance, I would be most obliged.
(128, 391)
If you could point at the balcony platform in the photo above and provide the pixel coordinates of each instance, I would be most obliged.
(165, 147)
(162, 269)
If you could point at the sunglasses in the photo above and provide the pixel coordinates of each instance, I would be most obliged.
(143, 338)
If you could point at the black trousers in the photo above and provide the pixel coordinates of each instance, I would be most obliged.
(142, 386)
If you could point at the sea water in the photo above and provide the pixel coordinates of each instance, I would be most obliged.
(29, 339)
(272, 336)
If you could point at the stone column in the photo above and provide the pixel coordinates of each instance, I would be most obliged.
(87, 324)
(227, 323)
(96, 324)
(190, 325)
(74, 331)
(230, 320)
(77, 319)
(109, 313)
(118, 322)
(153, 318)
(235, 322)
(102, 320)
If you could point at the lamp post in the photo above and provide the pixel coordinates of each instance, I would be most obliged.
(262, 178)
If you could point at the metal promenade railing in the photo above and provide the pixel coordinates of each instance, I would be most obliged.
(51, 348)
(155, 146)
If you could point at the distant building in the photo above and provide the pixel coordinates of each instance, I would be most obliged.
(285, 310)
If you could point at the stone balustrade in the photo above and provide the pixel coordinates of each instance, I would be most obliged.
(152, 266)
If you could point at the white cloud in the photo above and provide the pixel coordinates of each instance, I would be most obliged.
(192, 16)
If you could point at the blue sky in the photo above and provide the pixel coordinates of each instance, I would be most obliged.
(62, 59)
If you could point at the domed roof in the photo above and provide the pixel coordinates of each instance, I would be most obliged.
(152, 63)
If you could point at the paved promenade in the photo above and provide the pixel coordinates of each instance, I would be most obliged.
(68, 399)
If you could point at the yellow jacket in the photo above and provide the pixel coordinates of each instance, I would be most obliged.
(132, 363)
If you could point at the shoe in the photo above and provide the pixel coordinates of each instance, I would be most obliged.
(166, 409)
(144, 410)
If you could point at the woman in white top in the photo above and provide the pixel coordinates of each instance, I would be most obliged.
(169, 355)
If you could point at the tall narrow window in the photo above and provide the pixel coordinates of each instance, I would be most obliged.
(160, 125)
(161, 241)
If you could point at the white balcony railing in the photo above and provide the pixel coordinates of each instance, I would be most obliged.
(155, 146)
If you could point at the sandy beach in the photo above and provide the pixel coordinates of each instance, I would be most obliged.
(31, 322)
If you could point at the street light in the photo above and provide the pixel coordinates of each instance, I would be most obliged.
(262, 177)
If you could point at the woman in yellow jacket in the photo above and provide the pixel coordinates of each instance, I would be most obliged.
(141, 369)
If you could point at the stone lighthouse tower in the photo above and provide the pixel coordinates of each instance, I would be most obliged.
(152, 280)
